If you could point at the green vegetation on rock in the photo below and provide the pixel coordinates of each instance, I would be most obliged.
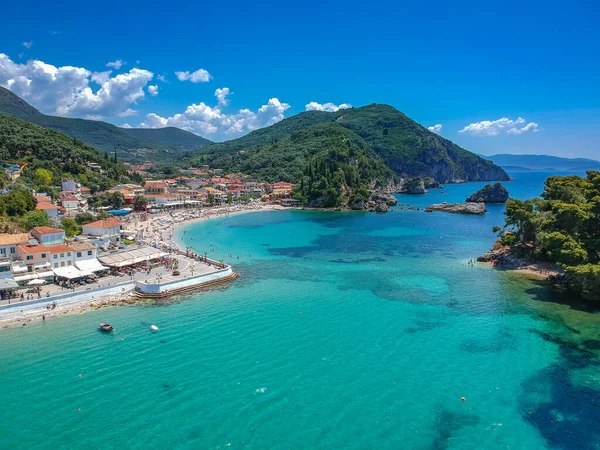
(564, 228)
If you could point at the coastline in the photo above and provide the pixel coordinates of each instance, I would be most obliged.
(37, 312)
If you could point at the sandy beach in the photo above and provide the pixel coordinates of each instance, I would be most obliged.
(158, 230)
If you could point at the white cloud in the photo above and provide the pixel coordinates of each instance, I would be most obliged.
(206, 120)
(221, 94)
(161, 77)
(126, 125)
(531, 126)
(153, 90)
(128, 112)
(330, 107)
(66, 90)
(115, 64)
(101, 77)
(435, 128)
(28, 44)
(199, 76)
(495, 127)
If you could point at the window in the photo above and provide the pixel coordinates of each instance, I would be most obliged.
(62, 255)
(62, 264)
(68, 263)
(43, 255)
(69, 254)
(29, 268)
(12, 250)
(2, 251)
(89, 253)
(55, 265)
(79, 254)
(29, 257)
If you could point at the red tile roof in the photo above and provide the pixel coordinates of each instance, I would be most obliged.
(105, 223)
(44, 205)
(39, 248)
(47, 230)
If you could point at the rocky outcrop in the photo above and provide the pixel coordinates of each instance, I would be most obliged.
(491, 193)
(458, 208)
(416, 186)
(383, 197)
(381, 208)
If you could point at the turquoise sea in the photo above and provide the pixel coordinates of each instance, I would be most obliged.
(344, 330)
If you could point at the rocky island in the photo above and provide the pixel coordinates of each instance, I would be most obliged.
(490, 193)
(458, 208)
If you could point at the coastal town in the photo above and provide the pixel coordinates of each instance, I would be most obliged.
(125, 249)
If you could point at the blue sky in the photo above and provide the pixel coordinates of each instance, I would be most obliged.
(515, 77)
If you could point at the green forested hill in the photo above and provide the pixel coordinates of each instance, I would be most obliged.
(153, 145)
(170, 136)
(56, 153)
(406, 147)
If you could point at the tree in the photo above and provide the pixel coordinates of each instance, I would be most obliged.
(83, 218)
(43, 177)
(34, 219)
(140, 203)
(70, 226)
(17, 202)
(116, 200)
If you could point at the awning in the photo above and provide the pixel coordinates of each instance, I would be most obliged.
(41, 265)
(19, 269)
(8, 283)
(90, 265)
(34, 276)
(71, 272)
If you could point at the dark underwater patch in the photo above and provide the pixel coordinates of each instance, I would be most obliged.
(356, 261)
(449, 422)
(571, 418)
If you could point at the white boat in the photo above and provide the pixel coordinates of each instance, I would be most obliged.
(153, 327)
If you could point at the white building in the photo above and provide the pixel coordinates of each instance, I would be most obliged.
(9, 242)
(48, 236)
(69, 185)
(106, 230)
(85, 257)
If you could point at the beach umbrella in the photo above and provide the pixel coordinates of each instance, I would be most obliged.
(35, 282)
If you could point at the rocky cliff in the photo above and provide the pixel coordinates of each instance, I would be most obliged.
(491, 193)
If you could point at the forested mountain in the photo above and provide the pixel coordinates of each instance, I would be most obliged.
(131, 144)
(407, 148)
(58, 155)
(171, 136)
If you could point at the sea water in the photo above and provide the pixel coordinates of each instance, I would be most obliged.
(344, 330)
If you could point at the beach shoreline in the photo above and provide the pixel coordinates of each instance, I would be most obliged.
(38, 312)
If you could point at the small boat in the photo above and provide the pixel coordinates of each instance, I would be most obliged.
(106, 327)
(153, 327)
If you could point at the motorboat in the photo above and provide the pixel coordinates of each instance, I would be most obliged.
(107, 327)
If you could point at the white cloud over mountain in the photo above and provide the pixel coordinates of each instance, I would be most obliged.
(206, 120)
(330, 107)
(66, 90)
(435, 128)
(496, 127)
(199, 76)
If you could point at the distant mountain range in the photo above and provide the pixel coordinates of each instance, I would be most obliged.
(543, 163)
(283, 151)
(131, 144)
